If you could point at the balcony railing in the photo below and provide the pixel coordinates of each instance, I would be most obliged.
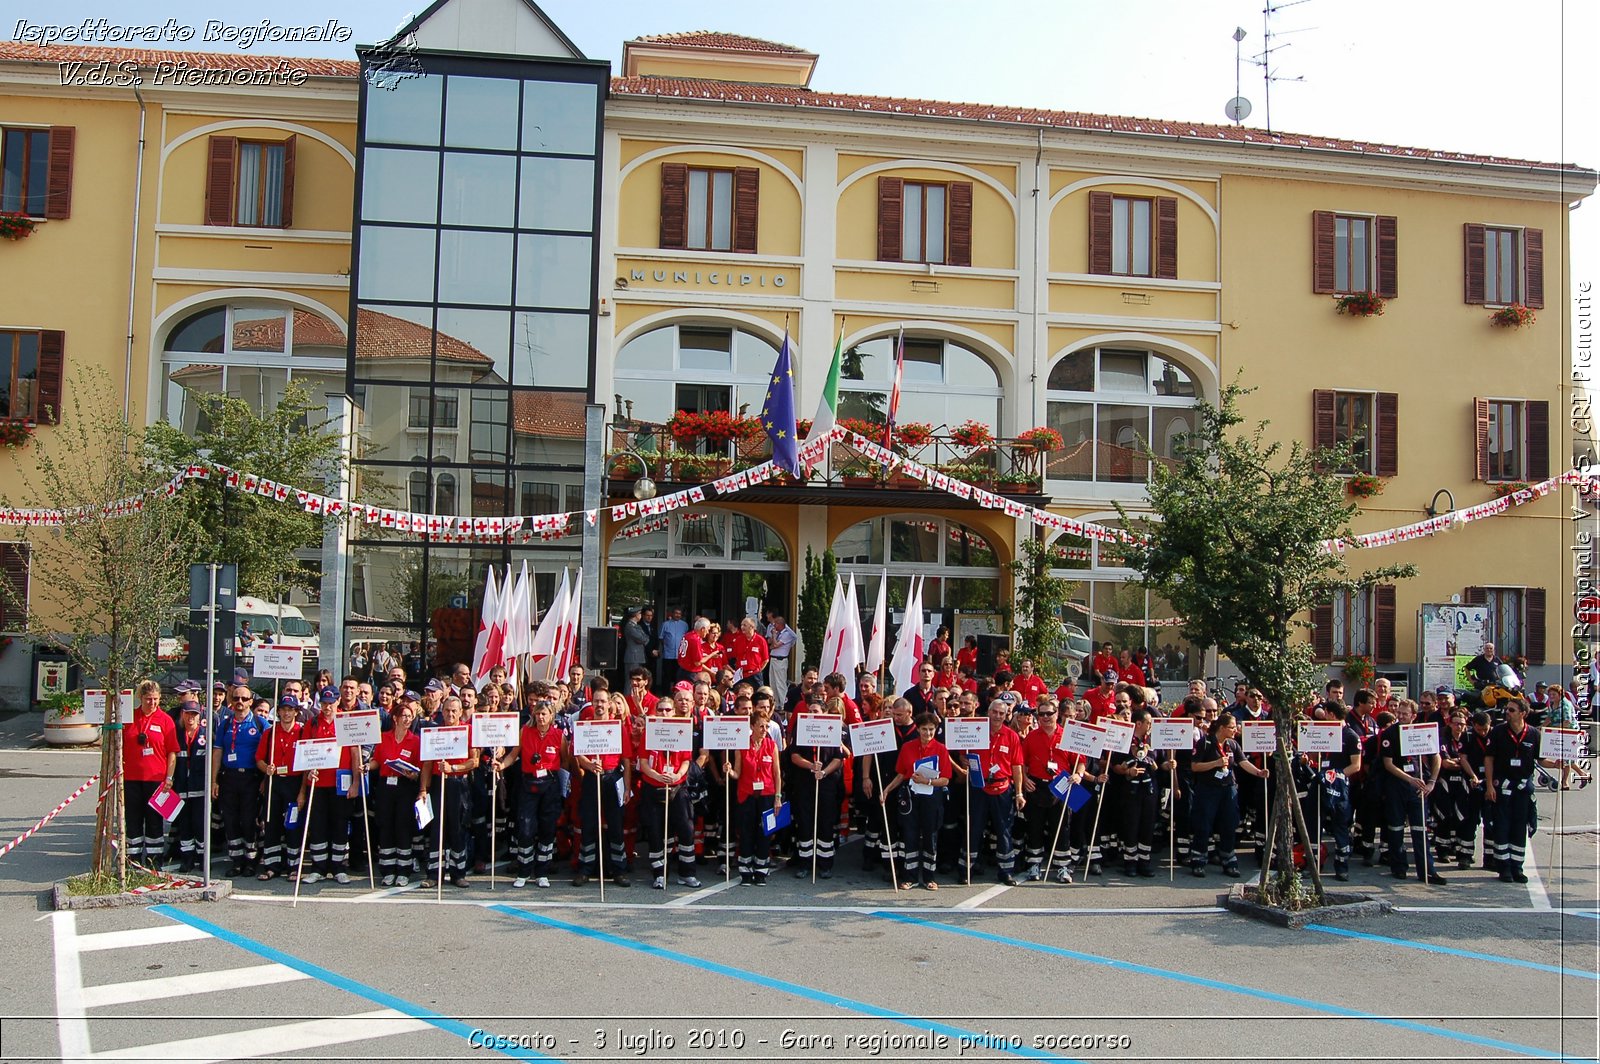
(1003, 466)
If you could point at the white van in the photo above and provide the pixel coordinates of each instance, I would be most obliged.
(272, 625)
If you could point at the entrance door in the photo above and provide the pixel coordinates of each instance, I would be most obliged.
(721, 595)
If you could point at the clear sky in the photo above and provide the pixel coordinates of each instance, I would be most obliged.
(1478, 76)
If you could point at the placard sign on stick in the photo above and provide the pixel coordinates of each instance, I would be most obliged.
(1417, 740)
(596, 738)
(873, 737)
(278, 663)
(1561, 744)
(494, 729)
(967, 734)
(316, 754)
(1172, 734)
(1321, 737)
(818, 729)
(357, 727)
(1258, 736)
(670, 735)
(1086, 739)
(445, 744)
(94, 706)
(725, 733)
(1119, 734)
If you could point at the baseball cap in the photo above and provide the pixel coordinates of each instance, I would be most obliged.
(219, 686)
(189, 705)
(328, 695)
(433, 685)
(185, 687)
(289, 701)
(1443, 689)
(683, 685)
(411, 696)
(241, 677)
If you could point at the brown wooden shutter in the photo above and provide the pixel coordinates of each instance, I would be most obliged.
(1537, 416)
(52, 371)
(58, 183)
(1388, 280)
(1166, 237)
(746, 208)
(1322, 253)
(958, 241)
(1480, 435)
(1099, 232)
(14, 559)
(1533, 268)
(1472, 262)
(1322, 632)
(891, 216)
(1386, 450)
(1383, 624)
(288, 182)
(1533, 625)
(1475, 596)
(221, 159)
(1322, 415)
(674, 205)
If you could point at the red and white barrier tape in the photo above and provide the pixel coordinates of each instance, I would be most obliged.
(51, 815)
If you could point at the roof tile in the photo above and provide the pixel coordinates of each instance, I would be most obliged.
(736, 42)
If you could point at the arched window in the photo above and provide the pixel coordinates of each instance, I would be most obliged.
(250, 353)
(1109, 606)
(693, 367)
(944, 383)
(960, 566)
(1107, 403)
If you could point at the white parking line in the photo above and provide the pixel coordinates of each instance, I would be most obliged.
(978, 899)
(690, 899)
(174, 986)
(1536, 892)
(71, 1026)
(274, 1042)
(142, 936)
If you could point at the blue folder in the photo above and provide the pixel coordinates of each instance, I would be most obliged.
(775, 820)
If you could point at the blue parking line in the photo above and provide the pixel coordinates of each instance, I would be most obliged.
(1582, 913)
(957, 1034)
(1429, 947)
(1233, 988)
(476, 1037)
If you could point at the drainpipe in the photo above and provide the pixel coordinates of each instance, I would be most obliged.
(133, 265)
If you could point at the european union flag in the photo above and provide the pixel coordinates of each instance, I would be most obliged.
(777, 414)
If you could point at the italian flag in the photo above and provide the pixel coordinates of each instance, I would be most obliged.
(828, 408)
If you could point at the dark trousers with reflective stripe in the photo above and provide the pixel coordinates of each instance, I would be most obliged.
(146, 830)
(607, 833)
(995, 812)
(679, 827)
(538, 812)
(1514, 816)
(396, 811)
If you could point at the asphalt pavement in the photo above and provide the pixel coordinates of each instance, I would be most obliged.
(848, 969)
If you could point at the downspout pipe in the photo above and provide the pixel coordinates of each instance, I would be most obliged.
(133, 264)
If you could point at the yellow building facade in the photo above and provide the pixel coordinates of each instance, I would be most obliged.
(1094, 275)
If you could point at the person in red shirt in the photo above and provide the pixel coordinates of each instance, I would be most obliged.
(327, 825)
(967, 656)
(1105, 661)
(1128, 672)
(541, 749)
(280, 845)
(640, 701)
(606, 779)
(748, 652)
(452, 801)
(1029, 684)
(1067, 692)
(1001, 796)
(923, 765)
(939, 649)
(833, 686)
(149, 760)
(760, 787)
(398, 756)
(692, 651)
(1102, 699)
(1043, 759)
(664, 809)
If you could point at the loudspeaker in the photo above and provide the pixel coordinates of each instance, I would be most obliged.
(602, 648)
(987, 646)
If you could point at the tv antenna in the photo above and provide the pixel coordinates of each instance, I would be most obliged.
(1238, 108)
(1264, 60)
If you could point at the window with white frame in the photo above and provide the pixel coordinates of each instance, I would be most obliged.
(1108, 403)
(944, 383)
(692, 367)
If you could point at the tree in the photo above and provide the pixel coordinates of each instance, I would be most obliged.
(816, 596)
(1040, 596)
(104, 578)
(289, 444)
(1237, 552)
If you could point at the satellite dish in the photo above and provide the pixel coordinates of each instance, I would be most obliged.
(1237, 109)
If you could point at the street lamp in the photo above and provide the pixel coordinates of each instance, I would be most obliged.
(1432, 509)
(643, 488)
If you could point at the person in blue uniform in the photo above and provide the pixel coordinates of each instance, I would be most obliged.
(235, 780)
(1508, 786)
